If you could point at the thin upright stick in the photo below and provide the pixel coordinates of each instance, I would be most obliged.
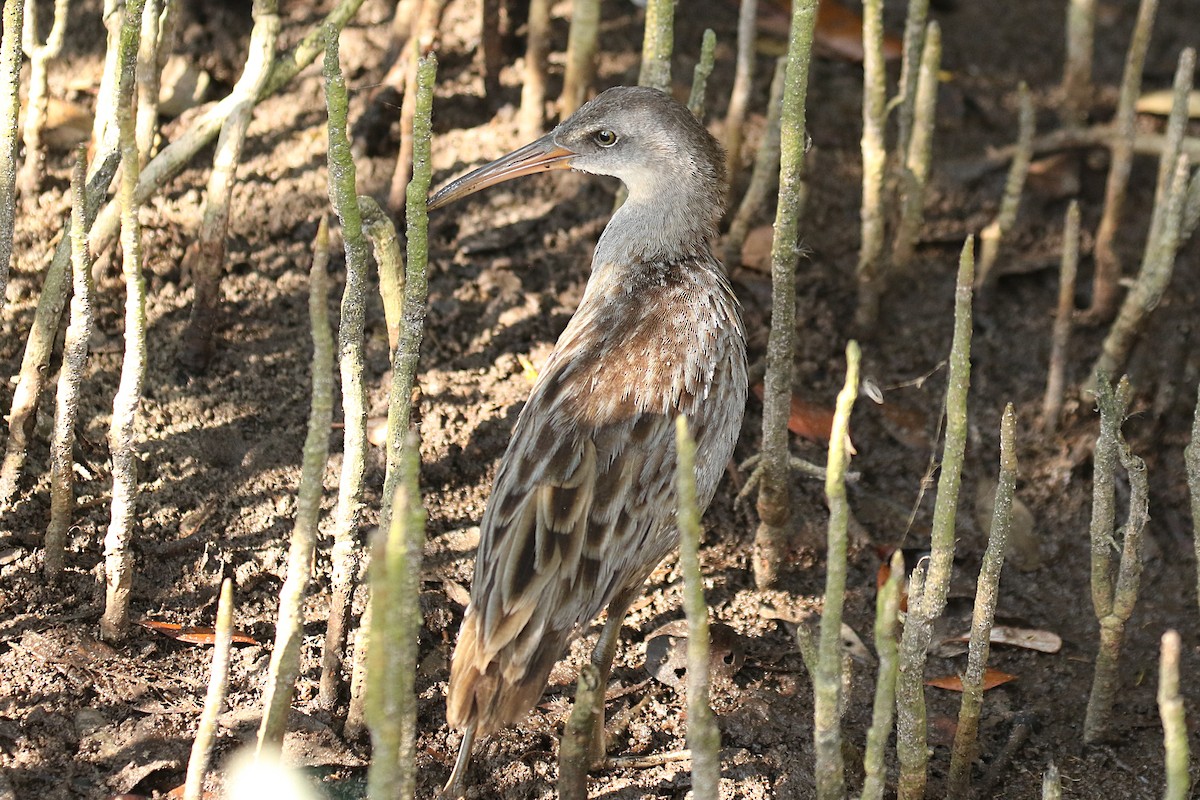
(887, 626)
(206, 257)
(993, 235)
(704, 68)
(827, 680)
(10, 104)
(918, 627)
(765, 173)
(1105, 285)
(739, 95)
(285, 658)
(915, 174)
(75, 350)
(914, 44)
(1170, 709)
(1158, 264)
(703, 738)
(1060, 338)
(657, 45)
(987, 592)
(344, 198)
(218, 682)
(1114, 603)
(404, 362)
(774, 499)
(150, 73)
(1191, 456)
(391, 705)
(1077, 73)
(874, 155)
(533, 90)
(118, 557)
(581, 55)
(40, 56)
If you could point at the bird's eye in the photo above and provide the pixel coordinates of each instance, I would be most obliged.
(605, 138)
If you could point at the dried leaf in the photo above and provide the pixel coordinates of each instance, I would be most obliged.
(756, 249)
(808, 420)
(193, 634)
(838, 34)
(1029, 638)
(1159, 103)
(991, 679)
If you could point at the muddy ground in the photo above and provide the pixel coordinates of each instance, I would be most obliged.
(220, 451)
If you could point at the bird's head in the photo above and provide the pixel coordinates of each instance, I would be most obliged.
(640, 135)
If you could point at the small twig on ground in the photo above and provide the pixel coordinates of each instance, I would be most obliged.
(774, 496)
(218, 681)
(703, 737)
(887, 627)
(118, 557)
(764, 175)
(1113, 603)
(987, 592)
(739, 95)
(1063, 317)
(75, 350)
(573, 761)
(351, 325)
(285, 658)
(657, 45)
(533, 90)
(1105, 285)
(1191, 456)
(874, 154)
(704, 68)
(991, 238)
(827, 679)
(1170, 709)
(918, 627)
(1077, 72)
(10, 106)
(581, 55)
(40, 56)
(915, 174)
(205, 259)
(391, 704)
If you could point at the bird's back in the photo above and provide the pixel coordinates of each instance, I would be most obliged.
(584, 502)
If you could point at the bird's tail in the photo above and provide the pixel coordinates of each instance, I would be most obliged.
(491, 688)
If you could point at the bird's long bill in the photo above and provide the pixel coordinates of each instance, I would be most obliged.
(539, 156)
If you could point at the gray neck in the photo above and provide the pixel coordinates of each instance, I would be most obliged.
(663, 223)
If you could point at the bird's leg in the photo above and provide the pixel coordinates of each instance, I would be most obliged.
(456, 787)
(602, 658)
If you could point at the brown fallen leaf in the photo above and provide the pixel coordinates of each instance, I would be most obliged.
(193, 634)
(991, 679)
(756, 249)
(838, 34)
(805, 419)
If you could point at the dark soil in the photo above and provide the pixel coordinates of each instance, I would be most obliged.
(220, 451)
